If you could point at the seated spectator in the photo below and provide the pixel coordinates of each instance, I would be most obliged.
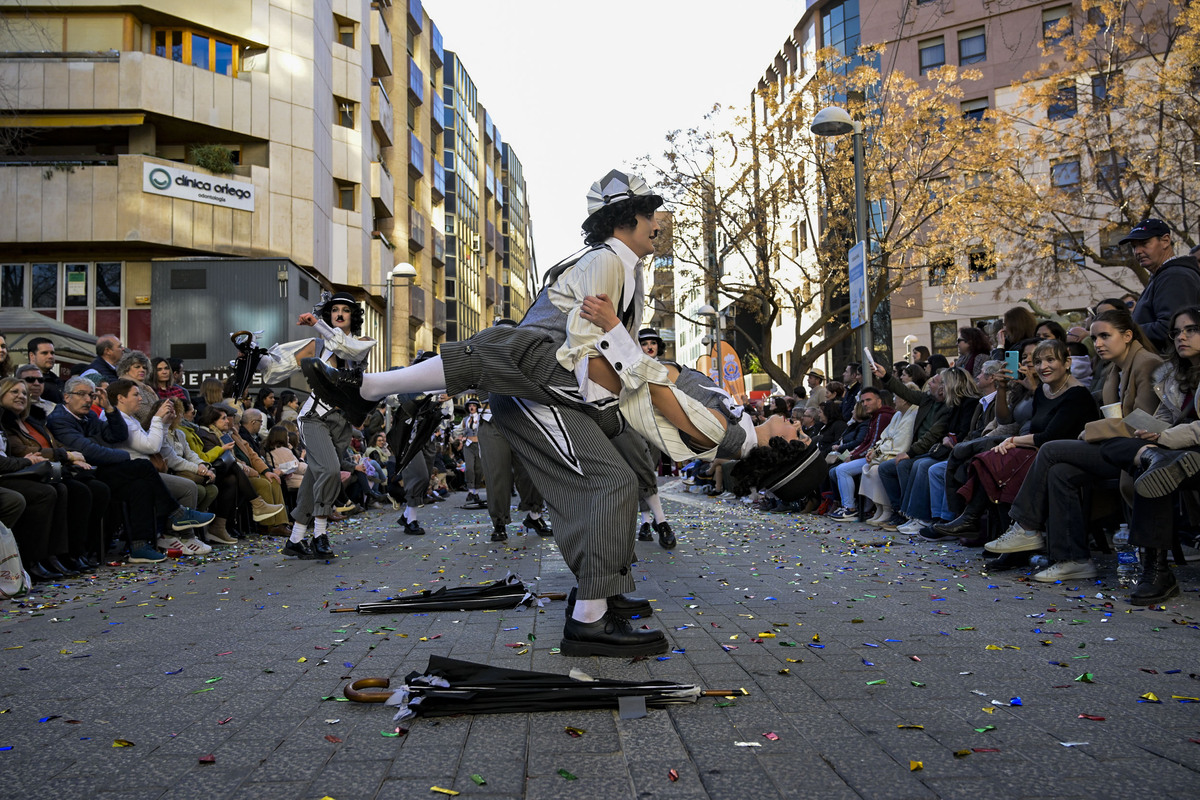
(1049, 329)
(53, 533)
(893, 441)
(283, 458)
(880, 413)
(920, 357)
(267, 507)
(1019, 324)
(852, 382)
(289, 406)
(1100, 367)
(164, 380)
(35, 382)
(185, 462)
(937, 363)
(134, 366)
(914, 375)
(1164, 462)
(134, 482)
(1061, 407)
(148, 442)
(1081, 363)
(382, 457)
(1051, 508)
(219, 448)
(829, 417)
(265, 402)
(973, 349)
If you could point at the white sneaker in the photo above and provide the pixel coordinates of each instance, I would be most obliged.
(882, 515)
(1017, 540)
(1190, 553)
(195, 547)
(1066, 570)
(912, 527)
(166, 543)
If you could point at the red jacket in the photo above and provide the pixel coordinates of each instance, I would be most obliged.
(879, 421)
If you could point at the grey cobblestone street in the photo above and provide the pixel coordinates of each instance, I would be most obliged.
(872, 669)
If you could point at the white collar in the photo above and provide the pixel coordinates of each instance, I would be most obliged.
(987, 400)
(631, 262)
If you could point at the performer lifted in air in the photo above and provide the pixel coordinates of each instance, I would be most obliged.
(555, 381)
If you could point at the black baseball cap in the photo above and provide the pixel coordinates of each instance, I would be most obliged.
(1146, 229)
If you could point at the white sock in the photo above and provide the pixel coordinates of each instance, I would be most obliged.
(320, 524)
(299, 530)
(656, 507)
(426, 377)
(647, 517)
(410, 514)
(589, 610)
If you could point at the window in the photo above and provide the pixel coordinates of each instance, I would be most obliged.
(932, 53)
(981, 264)
(972, 46)
(1064, 104)
(975, 109)
(108, 285)
(201, 50)
(939, 270)
(1106, 89)
(1064, 174)
(45, 286)
(344, 112)
(943, 338)
(12, 286)
(1066, 253)
(1110, 249)
(1109, 168)
(76, 292)
(345, 195)
(345, 30)
(1056, 23)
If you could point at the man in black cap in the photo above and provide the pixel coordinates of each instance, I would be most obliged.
(1174, 280)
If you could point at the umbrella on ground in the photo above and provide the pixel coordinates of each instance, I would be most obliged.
(495, 596)
(448, 686)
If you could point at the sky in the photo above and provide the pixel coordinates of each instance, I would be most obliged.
(579, 88)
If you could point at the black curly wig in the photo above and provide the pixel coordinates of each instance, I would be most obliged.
(765, 465)
(356, 314)
(600, 226)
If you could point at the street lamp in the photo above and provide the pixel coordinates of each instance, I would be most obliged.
(401, 270)
(835, 121)
(708, 311)
(909, 341)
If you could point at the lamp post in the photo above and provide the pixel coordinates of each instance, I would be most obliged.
(401, 270)
(835, 121)
(909, 341)
(708, 311)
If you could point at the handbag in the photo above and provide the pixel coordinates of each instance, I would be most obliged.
(44, 471)
(1099, 430)
(14, 580)
(158, 461)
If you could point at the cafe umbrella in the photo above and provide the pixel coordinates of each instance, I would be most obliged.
(448, 686)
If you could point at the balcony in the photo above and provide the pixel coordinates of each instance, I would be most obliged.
(416, 305)
(439, 247)
(436, 54)
(416, 155)
(381, 253)
(489, 180)
(381, 114)
(415, 15)
(416, 229)
(439, 316)
(487, 126)
(416, 83)
(492, 290)
(381, 44)
(489, 235)
(383, 190)
(438, 183)
(437, 112)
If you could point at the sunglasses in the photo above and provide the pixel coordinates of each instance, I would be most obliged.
(34, 380)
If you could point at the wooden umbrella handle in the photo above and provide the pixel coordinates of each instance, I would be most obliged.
(354, 691)
(717, 693)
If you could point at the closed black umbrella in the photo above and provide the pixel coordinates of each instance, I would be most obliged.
(448, 686)
(495, 596)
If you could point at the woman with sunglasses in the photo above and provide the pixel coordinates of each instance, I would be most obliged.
(1164, 462)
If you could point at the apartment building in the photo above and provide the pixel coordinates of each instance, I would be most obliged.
(1000, 40)
(250, 149)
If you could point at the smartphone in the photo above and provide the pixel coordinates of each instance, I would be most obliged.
(227, 438)
(1012, 359)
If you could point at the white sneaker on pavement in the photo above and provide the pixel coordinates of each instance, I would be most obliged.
(1066, 570)
(1016, 540)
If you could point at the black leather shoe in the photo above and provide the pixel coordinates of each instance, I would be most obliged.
(90, 560)
(965, 524)
(301, 549)
(54, 565)
(612, 635)
(1006, 561)
(40, 573)
(1165, 470)
(321, 547)
(500, 534)
(666, 536)
(619, 604)
(645, 533)
(1157, 582)
(338, 388)
(80, 564)
(538, 526)
(412, 528)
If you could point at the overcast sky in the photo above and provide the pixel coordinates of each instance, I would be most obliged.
(579, 87)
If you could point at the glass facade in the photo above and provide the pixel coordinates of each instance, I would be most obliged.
(463, 248)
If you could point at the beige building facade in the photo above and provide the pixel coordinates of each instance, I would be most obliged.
(137, 135)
